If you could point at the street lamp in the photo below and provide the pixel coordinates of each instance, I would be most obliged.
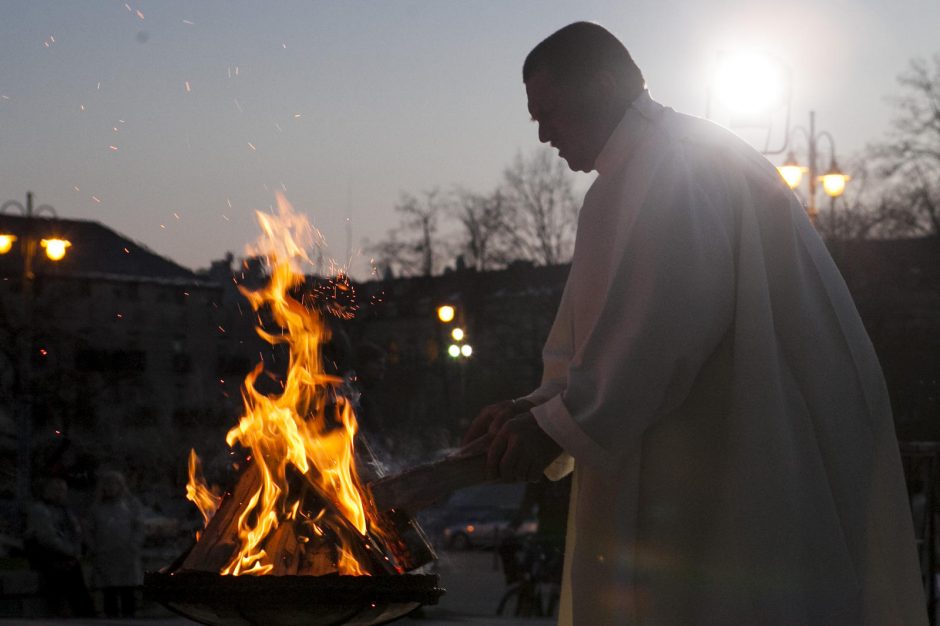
(833, 180)
(55, 248)
(753, 87)
(446, 313)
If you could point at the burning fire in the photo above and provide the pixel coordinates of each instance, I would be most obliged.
(301, 440)
(196, 490)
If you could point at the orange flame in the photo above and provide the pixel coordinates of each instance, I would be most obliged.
(302, 439)
(198, 492)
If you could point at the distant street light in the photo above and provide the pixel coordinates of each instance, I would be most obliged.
(457, 334)
(446, 313)
(55, 248)
(833, 181)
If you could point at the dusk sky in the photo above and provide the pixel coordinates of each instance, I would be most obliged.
(172, 121)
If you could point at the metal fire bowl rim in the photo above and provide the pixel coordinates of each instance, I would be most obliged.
(210, 587)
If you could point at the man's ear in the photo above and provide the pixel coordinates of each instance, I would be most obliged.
(603, 86)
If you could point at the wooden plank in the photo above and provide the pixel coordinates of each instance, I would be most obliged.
(422, 486)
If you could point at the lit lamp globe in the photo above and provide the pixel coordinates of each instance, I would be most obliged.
(453, 350)
(791, 171)
(834, 181)
(446, 313)
(466, 350)
(6, 243)
(457, 334)
(55, 248)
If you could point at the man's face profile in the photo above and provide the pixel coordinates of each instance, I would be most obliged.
(560, 114)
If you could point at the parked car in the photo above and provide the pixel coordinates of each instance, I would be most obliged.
(475, 517)
(484, 529)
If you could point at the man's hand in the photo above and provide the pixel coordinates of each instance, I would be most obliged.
(521, 450)
(491, 418)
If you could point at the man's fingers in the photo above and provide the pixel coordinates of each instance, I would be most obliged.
(495, 456)
(483, 422)
(477, 429)
(499, 419)
(478, 445)
(507, 464)
(480, 425)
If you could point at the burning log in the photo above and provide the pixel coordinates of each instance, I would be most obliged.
(217, 542)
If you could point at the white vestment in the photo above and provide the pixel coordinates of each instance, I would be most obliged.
(708, 373)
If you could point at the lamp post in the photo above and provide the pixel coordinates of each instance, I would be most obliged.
(55, 248)
(833, 180)
(459, 350)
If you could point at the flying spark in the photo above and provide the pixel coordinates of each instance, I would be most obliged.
(188, 89)
(96, 199)
(251, 145)
(114, 148)
(188, 22)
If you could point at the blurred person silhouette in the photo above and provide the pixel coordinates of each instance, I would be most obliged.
(115, 535)
(53, 543)
(707, 379)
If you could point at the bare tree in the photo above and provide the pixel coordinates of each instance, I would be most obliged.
(484, 220)
(907, 164)
(544, 213)
(870, 208)
(409, 248)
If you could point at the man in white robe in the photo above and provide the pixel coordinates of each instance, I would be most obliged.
(707, 378)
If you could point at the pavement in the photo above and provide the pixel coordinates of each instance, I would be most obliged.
(474, 582)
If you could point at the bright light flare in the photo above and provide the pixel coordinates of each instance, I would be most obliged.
(834, 183)
(466, 350)
(446, 313)
(55, 248)
(6, 243)
(457, 334)
(453, 350)
(792, 174)
(748, 83)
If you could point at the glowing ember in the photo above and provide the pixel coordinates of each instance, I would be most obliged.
(301, 440)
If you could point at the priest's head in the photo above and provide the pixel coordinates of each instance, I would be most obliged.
(579, 82)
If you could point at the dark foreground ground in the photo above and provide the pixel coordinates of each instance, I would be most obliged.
(474, 582)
